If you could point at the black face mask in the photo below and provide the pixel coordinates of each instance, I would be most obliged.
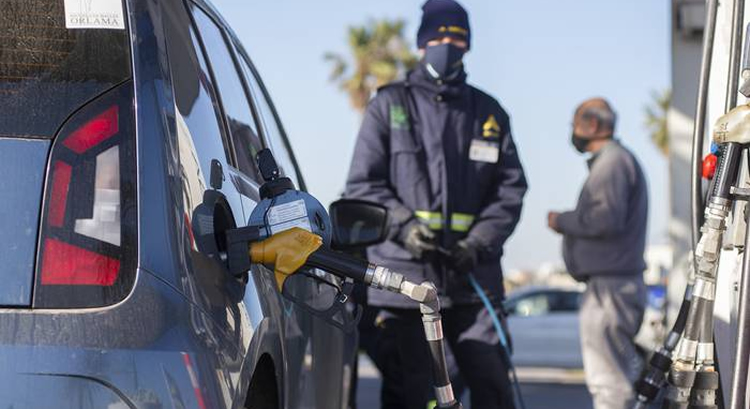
(580, 143)
(444, 61)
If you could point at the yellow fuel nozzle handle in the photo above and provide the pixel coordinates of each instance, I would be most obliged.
(286, 252)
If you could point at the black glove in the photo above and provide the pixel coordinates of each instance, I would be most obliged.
(418, 240)
(464, 256)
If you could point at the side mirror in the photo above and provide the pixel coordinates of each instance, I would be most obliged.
(357, 223)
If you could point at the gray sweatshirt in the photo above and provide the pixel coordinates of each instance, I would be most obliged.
(606, 233)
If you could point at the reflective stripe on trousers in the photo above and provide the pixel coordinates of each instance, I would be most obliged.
(460, 222)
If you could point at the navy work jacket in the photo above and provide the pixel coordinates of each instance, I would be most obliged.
(440, 154)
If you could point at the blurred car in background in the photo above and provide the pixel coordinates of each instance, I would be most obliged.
(543, 323)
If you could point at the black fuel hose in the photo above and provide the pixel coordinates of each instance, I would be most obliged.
(707, 324)
(439, 367)
(647, 388)
(347, 266)
(339, 264)
(679, 323)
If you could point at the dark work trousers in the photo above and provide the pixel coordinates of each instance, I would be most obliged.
(368, 336)
(407, 378)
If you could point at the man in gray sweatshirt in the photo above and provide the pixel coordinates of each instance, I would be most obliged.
(603, 244)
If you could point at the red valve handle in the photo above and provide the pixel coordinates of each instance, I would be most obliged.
(709, 166)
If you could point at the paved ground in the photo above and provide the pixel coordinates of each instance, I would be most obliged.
(541, 388)
(553, 396)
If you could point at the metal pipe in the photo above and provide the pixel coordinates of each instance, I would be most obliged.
(739, 379)
(433, 329)
(743, 325)
(732, 151)
(735, 56)
(699, 126)
(745, 72)
(740, 372)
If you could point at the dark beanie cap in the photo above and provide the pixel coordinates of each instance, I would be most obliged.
(443, 18)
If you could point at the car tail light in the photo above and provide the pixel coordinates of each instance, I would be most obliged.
(88, 238)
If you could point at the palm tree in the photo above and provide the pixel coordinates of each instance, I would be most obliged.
(379, 54)
(656, 119)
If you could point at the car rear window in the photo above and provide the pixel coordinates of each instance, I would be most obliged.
(48, 71)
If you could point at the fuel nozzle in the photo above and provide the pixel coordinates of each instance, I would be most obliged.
(286, 252)
(290, 250)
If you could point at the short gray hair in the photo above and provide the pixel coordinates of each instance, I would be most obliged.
(603, 113)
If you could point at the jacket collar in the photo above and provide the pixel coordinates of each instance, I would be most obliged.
(612, 142)
(441, 90)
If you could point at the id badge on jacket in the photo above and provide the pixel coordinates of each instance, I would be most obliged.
(484, 151)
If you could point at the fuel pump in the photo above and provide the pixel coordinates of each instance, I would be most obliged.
(693, 379)
(688, 354)
(290, 232)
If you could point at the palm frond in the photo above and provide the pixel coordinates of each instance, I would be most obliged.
(378, 54)
(656, 119)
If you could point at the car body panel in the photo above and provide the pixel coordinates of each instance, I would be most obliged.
(189, 335)
(163, 222)
(125, 346)
(550, 340)
(22, 164)
(83, 392)
(545, 337)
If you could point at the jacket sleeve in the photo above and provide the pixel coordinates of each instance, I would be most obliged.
(602, 208)
(369, 173)
(501, 208)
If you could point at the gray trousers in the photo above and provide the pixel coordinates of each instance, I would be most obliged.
(611, 315)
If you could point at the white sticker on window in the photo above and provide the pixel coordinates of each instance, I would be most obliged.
(283, 213)
(106, 14)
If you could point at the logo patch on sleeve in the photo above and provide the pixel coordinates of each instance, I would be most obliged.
(491, 129)
(399, 117)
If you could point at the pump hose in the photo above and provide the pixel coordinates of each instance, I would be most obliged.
(700, 121)
(290, 250)
(344, 265)
(503, 340)
(647, 388)
(339, 264)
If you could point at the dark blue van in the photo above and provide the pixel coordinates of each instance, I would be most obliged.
(128, 132)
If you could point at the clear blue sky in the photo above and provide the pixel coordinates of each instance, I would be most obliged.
(539, 58)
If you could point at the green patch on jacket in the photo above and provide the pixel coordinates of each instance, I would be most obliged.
(399, 117)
